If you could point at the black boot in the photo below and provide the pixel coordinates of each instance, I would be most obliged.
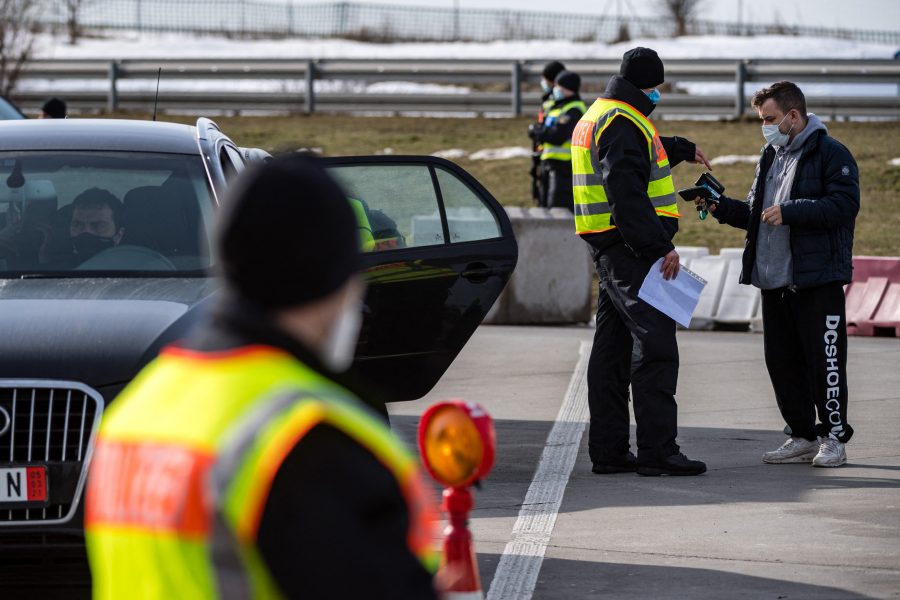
(676, 464)
(619, 464)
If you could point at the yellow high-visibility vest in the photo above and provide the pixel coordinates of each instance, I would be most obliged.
(185, 459)
(592, 212)
(564, 150)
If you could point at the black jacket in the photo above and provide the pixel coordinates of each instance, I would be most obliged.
(335, 521)
(821, 212)
(561, 130)
(623, 155)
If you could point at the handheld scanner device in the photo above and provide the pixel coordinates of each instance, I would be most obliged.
(707, 187)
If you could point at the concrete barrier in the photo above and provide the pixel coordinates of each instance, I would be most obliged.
(689, 253)
(738, 303)
(873, 297)
(553, 278)
(714, 270)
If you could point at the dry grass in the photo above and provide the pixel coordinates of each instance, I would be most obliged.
(873, 144)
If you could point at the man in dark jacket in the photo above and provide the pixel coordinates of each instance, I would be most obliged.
(626, 210)
(799, 216)
(555, 138)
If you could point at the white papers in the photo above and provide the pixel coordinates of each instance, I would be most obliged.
(676, 297)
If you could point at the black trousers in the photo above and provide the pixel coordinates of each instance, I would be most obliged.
(634, 344)
(557, 177)
(805, 337)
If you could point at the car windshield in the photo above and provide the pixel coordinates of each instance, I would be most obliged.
(75, 213)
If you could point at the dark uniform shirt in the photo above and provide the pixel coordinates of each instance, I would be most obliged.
(623, 150)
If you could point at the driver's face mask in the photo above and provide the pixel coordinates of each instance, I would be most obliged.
(87, 244)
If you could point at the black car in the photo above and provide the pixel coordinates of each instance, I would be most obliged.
(76, 325)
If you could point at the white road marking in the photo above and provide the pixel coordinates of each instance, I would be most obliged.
(518, 570)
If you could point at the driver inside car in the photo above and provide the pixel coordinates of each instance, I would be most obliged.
(95, 225)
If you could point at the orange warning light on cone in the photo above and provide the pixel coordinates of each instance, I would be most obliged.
(457, 442)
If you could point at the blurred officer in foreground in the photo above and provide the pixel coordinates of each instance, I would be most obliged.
(625, 209)
(538, 184)
(234, 466)
(799, 216)
(54, 108)
(555, 137)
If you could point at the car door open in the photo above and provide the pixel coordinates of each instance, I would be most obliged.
(438, 251)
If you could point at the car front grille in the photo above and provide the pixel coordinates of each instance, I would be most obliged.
(51, 423)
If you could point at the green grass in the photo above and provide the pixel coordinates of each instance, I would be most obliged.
(872, 144)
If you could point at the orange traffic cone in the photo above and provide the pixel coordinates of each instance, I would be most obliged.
(458, 576)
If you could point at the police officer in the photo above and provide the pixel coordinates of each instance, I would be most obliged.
(556, 139)
(625, 209)
(538, 183)
(234, 464)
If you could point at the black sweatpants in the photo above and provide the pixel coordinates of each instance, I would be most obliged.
(558, 178)
(805, 337)
(634, 344)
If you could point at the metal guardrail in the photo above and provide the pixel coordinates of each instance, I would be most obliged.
(520, 79)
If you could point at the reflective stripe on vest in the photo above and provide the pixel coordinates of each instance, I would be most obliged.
(177, 488)
(592, 212)
(563, 151)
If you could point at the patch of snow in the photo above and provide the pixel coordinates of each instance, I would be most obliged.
(733, 159)
(451, 154)
(501, 153)
(147, 46)
(384, 152)
(278, 86)
(894, 162)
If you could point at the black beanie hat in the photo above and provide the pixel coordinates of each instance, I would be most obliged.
(569, 80)
(286, 234)
(643, 68)
(54, 108)
(552, 69)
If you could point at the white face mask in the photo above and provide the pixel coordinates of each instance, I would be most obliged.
(339, 347)
(773, 134)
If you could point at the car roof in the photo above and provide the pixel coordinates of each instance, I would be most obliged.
(98, 134)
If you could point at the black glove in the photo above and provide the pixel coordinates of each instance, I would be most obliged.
(536, 131)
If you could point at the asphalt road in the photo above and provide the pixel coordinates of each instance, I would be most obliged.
(742, 530)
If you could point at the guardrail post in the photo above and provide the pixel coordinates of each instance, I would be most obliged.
(310, 86)
(112, 99)
(740, 78)
(516, 91)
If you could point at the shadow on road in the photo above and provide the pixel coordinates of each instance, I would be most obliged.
(733, 456)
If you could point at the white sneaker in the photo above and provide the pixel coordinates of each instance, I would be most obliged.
(831, 453)
(794, 450)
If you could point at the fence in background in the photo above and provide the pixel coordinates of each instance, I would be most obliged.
(101, 85)
(384, 22)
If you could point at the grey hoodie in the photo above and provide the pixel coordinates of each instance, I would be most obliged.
(774, 266)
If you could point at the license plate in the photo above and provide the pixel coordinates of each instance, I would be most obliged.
(23, 484)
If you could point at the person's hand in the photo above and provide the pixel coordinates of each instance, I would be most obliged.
(772, 216)
(702, 205)
(670, 266)
(700, 158)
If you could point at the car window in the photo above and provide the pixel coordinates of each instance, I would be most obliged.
(396, 203)
(62, 212)
(468, 218)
